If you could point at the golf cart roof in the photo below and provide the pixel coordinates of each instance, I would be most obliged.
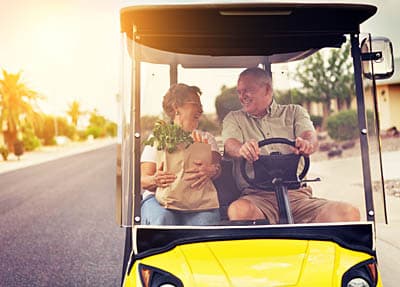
(245, 29)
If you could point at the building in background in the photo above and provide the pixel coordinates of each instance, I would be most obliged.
(388, 92)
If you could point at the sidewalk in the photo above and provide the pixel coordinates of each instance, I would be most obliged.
(48, 153)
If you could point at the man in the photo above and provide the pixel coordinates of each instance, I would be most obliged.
(261, 117)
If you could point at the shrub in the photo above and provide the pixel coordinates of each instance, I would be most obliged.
(343, 125)
(227, 101)
(316, 120)
(4, 152)
(111, 129)
(31, 142)
(82, 135)
(64, 128)
(48, 131)
(208, 124)
(100, 127)
(95, 131)
(29, 138)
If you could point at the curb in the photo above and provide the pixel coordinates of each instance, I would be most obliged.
(47, 153)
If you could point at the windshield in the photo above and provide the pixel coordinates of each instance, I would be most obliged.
(312, 95)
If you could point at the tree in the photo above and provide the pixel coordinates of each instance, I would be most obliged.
(16, 104)
(96, 119)
(99, 126)
(291, 96)
(74, 112)
(47, 131)
(210, 124)
(227, 101)
(327, 79)
(52, 126)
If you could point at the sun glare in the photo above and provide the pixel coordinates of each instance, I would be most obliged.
(56, 40)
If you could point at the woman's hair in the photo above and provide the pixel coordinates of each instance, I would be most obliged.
(177, 95)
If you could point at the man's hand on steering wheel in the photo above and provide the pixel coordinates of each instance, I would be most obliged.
(250, 150)
(283, 167)
(303, 146)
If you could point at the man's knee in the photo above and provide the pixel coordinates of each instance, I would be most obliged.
(243, 209)
(338, 212)
(350, 213)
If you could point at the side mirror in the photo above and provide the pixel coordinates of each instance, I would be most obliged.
(377, 58)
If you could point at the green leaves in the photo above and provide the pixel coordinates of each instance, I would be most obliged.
(4, 152)
(168, 137)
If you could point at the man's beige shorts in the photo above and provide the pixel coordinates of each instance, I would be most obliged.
(304, 207)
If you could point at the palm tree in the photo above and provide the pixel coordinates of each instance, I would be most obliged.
(16, 106)
(74, 112)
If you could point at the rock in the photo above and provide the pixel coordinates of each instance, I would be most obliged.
(335, 152)
(392, 132)
(348, 144)
(322, 136)
(326, 146)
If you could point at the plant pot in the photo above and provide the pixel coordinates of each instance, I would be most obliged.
(18, 148)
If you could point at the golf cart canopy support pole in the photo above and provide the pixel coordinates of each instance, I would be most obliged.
(362, 124)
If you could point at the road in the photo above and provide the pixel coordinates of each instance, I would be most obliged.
(57, 223)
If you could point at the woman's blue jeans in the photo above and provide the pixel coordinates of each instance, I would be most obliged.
(155, 214)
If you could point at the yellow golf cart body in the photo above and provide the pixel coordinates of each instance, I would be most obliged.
(236, 35)
(253, 256)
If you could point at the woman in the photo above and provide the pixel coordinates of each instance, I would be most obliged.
(182, 104)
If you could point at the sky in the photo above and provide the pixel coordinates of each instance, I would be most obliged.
(66, 49)
(70, 49)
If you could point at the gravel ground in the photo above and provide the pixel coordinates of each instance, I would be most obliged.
(392, 187)
(388, 144)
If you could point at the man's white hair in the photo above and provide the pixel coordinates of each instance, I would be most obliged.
(259, 74)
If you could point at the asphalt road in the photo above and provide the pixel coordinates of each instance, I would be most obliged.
(57, 225)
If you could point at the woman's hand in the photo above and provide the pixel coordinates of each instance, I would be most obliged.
(163, 178)
(197, 137)
(202, 172)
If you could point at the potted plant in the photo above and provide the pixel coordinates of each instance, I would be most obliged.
(4, 152)
(18, 148)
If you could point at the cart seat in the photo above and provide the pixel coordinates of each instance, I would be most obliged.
(226, 187)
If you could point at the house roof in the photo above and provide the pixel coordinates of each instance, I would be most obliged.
(395, 79)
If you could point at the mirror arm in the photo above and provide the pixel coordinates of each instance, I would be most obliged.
(371, 56)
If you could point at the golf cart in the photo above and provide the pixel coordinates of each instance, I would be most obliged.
(208, 45)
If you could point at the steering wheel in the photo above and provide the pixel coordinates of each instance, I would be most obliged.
(276, 167)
